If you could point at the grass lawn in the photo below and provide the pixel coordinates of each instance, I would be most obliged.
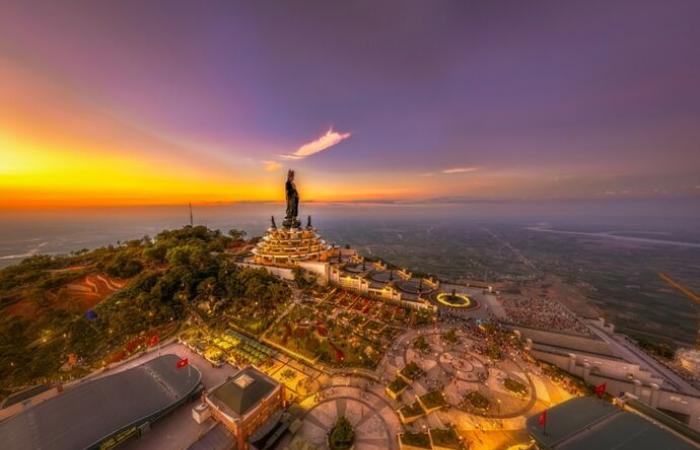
(421, 440)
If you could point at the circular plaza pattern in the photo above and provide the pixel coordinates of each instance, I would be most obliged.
(413, 286)
(455, 300)
(372, 417)
(461, 367)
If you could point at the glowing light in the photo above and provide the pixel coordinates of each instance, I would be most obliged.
(454, 301)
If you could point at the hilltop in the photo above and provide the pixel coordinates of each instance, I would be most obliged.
(62, 316)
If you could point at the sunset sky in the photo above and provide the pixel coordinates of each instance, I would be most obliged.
(143, 102)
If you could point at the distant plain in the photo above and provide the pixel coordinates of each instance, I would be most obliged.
(610, 255)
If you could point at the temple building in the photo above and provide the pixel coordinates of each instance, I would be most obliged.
(288, 246)
(291, 246)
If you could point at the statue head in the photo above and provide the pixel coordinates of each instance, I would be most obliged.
(290, 175)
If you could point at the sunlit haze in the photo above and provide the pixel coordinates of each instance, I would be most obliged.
(128, 103)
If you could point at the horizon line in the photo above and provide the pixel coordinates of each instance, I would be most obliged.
(429, 201)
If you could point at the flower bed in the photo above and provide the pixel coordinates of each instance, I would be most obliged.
(396, 387)
(514, 386)
(342, 435)
(494, 352)
(445, 439)
(451, 336)
(421, 344)
(432, 401)
(417, 440)
(476, 400)
(409, 413)
(411, 372)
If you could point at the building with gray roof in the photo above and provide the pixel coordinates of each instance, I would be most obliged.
(94, 412)
(590, 423)
(245, 402)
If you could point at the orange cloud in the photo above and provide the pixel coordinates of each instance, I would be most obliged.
(460, 170)
(324, 142)
(271, 166)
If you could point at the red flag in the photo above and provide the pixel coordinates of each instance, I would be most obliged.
(154, 340)
(542, 421)
(182, 363)
(600, 389)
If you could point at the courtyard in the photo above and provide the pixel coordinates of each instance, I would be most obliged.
(452, 390)
(342, 329)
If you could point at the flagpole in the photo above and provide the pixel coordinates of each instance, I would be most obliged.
(543, 421)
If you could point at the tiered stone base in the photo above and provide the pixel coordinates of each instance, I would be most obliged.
(285, 246)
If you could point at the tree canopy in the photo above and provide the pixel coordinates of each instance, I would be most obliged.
(167, 276)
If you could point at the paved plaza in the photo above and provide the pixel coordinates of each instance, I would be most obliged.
(373, 417)
(455, 368)
(454, 359)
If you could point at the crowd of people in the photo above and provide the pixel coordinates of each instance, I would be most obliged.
(542, 313)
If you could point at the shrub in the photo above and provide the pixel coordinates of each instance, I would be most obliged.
(416, 440)
(451, 336)
(421, 344)
(477, 400)
(433, 399)
(446, 438)
(413, 410)
(397, 385)
(412, 371)
(342, 435)
(514, 386)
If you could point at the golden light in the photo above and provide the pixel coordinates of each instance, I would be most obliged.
(454, 301)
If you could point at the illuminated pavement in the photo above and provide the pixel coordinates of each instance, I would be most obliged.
(458, 369)
(365, 406)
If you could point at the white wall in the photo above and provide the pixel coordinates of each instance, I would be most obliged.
(643, 385)
(322, 269)
(282, 272)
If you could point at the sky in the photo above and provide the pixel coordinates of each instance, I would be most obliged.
(145, 102)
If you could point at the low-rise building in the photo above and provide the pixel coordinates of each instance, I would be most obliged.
(245, 402)
(590, 423)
